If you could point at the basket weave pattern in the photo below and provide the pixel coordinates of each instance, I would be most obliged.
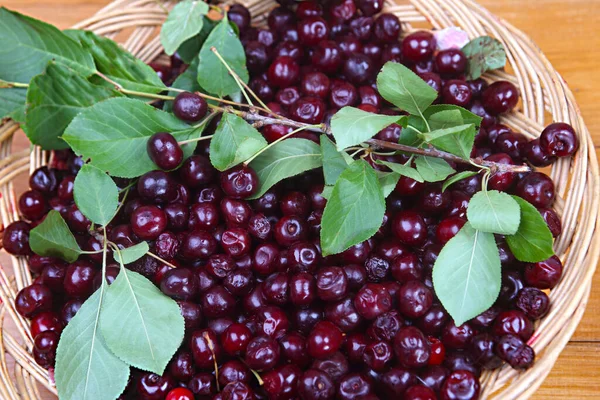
(545, 98)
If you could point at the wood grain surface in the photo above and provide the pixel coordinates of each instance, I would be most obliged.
(567, 31)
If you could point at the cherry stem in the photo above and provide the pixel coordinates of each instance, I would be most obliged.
(257, 376)
(211, 347)
(195, 140)
(168, 264)
(120, 88)
(287, 135)
(8, 85)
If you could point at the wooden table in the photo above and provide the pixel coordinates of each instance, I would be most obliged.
(566, 30)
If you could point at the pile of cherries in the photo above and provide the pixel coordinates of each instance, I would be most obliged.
(252, 285)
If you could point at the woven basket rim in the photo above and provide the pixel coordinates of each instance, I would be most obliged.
(543, 91)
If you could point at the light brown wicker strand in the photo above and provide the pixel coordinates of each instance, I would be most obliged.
(543, 90)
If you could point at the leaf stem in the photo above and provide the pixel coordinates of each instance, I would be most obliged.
(120, 88)
(195, 140)
(8, 85)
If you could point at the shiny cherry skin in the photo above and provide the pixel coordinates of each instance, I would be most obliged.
(316, 385)
(239, 15)
(196, 171)
(154, 387)
(164, 151)
(419, 392)
(43, 180)
(544, 274)
(512, 144)
(448, 228)
(315, 84)
(157, 187)
(418, 46)
(180, 394)
(536, 188)
(148, 222)
(451, 62)
(414, 299)
(513, 322)
(181, 367)
(457, 92)
(533, 153)
(460, 385)
(501, 181)
(32, 205)
(309, 9)
(289, 230)
(180, 284)
(327, 57)
(387, 28)
(239, 182)
(46, 321)
(331, 283)
(309, 110)
(513, 350)
(324, 340)
(559, 139)
(354, 386)
(369, 7)
(378, 355)
(409, 227)
(79, 279)
(16, 238)
(262, 353)
(33, 299)
(372, 300)
(500, 97)
(359, 68)
(284, 72)
(189, 107)
(217, 302)
(312, 30)
(343, 94)
(411, 347)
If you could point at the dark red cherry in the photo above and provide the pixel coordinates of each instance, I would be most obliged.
(32, 205)
(15, 239)
(513, 350)
(411, 347)
(387, 28)
(217, 302)
(189, 107)
(324, 340)
(451, 62)
(79, 279)
(164, 150)
(409, 227)
(262, 353)
(461, 385)
(33, 299)
(544, 274)
(180, 284)
(148, 222)
(157, 187)
(457, 92)
(418, 46)
(46, 321)
(43, 180)
(533, 152)
(372, 300)
(196, 171)
(559, 139)
(513, 322)
(500, 97)
(309, 110)
(414, 299)
(359, 68)
(284, 72)
(239, 182)
(312, 30)
(536, 188)
(316, 385)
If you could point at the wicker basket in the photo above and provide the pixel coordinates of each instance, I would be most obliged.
(545, 98)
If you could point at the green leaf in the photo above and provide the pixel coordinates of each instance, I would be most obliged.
(53, 238)
(334, 162)
(134, 253)
(433, 169)
(184, 21)
(285, 159)
(444, 119)
(327, 190)
(351, 126)
(403, 170)
(467, 274)
(11, 100)
(457, 140)
(355, 210)
(234, 142)
(494, 212)
(26, 47)
(189, 50)
(85, 367)
(484, 54)
(118, 129)
(140, 325)
(388, 182)
(54, 98)
(433, 116)
(212, 74)
(457, 177)
(96, 194)
(118, 64)
(533, 240)
(405, 89)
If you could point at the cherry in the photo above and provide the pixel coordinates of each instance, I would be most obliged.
(354, 386)
(43, 180)
(309, 9)
(180, 284)
(457, 92)
(500, 97)
(457, 337)
(513, 350)
(181, 367)
(359, 68)
(533, 152)
(189, 107)
(157, 187)
(280, 18)
(79, 279)
(180, 394)
(409, 227)
(32, 205)
(164, 151)
(512, 144)
(533, 303)
(276, 288)
(512, 283)
(387, 28)
(257, 59)
(372, 300)
(197, 244)
(536, 188)
(419, 392)
(315, 84)
(461, 385)
(451, 62)
(239, 182)
(33, 299)
(239, 15)
(154, 387)
(148, 222)
(342, 10)
(262, 353)
(324, 340)
(196, 171)
(46, 343)
(312, 30)
(205, 348)
(513, 322)
(327, 56)
(316, 385)
(203, 385)
(482, 349)
(343, 314)
(414, 299)
(192, 314)
(501, 181)
(343, 94)
(236, 242)
(448, 228)
(418, 46)
(544, 274)
(76, 220)
(331, 283)
(378, 355)
(233, 371)
(284, 71)
(282, 382)
(15, 239)
(559, 139)
(308, 110)
(289, 230)
(45, 321)
(435, 82)
(293, 348)
(217, 302)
